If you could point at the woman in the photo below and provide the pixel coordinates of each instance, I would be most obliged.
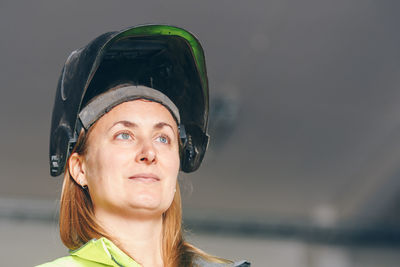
(131, 110)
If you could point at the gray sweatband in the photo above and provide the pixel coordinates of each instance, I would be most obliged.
(104, 102)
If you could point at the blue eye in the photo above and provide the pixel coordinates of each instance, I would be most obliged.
(163, 139)
(123, 136)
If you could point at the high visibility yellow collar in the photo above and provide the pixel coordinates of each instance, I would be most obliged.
(105, 252)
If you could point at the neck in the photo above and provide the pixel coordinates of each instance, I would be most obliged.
(140, 238)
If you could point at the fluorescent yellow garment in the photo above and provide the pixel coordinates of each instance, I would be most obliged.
(102, 252)
(95, 253)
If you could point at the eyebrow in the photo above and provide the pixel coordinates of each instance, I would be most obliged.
(130, 124)
(163, 124)
(127, 124)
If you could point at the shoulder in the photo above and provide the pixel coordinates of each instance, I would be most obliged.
(243, 263)
(201, 262)
(68, 261)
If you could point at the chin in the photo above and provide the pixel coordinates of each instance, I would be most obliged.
(149, 204)
(145, 202)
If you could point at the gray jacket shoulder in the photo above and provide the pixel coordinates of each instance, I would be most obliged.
(243, 263)
(200, 262)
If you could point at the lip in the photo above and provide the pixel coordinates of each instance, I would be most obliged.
(145, 177)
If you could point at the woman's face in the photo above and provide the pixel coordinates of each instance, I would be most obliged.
(132, 161)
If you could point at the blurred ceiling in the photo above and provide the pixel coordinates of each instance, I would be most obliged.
(305, 119)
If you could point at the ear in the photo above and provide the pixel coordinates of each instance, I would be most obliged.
(76, 166)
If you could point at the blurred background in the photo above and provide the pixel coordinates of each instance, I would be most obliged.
(303, 168)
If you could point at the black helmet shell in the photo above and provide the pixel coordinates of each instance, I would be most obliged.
(166, 58)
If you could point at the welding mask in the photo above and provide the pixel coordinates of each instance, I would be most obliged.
(163, 58)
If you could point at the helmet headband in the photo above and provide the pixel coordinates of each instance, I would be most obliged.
(103, 103)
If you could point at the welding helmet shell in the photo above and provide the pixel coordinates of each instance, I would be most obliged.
(166, 58)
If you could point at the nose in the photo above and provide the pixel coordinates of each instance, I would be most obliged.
(146, 154)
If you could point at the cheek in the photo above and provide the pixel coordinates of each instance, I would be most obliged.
(172, 163)
(174, 170)
(103, 165)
